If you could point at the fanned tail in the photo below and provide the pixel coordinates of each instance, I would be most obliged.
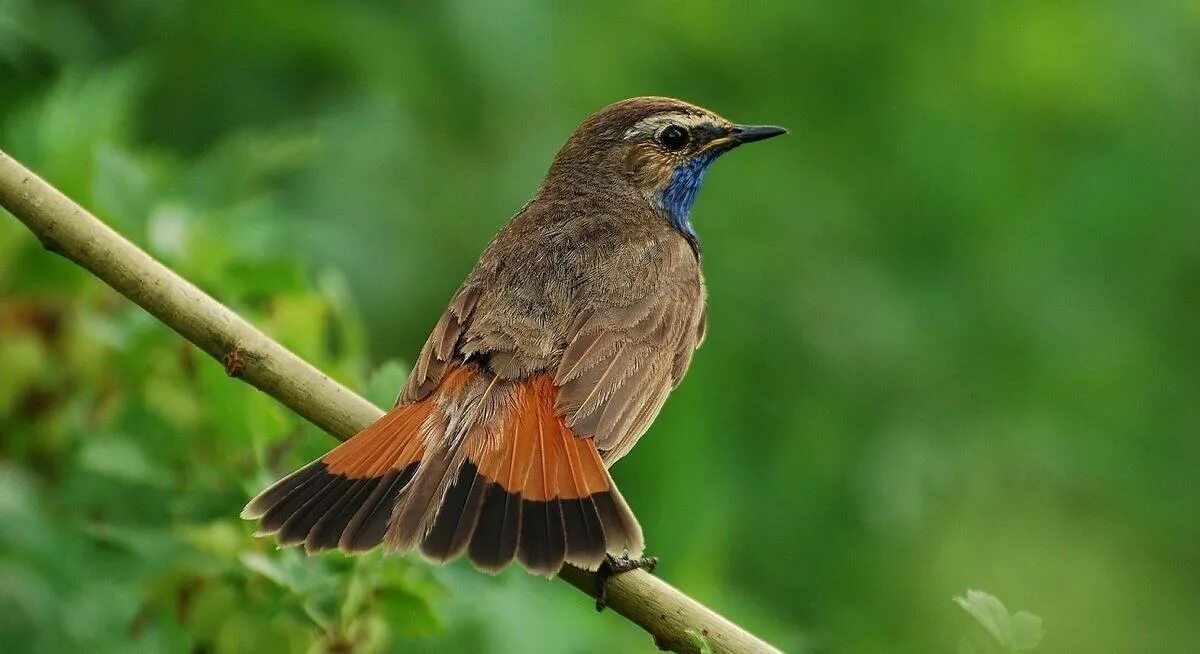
(345, 498)
(479, 467)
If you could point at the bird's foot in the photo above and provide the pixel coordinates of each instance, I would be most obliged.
(613, 566)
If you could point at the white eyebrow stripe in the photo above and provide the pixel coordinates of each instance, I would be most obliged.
(651, 125)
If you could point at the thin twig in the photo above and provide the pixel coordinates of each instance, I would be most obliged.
(67, 229)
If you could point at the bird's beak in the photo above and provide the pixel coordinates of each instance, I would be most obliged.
(751, 133)
(739, 134)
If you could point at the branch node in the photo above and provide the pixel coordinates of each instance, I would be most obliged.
(235, 361)
(50, 245)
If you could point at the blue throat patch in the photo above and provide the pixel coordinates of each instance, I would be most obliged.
(679, 194)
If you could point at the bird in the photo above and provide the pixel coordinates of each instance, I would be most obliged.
(549, 364)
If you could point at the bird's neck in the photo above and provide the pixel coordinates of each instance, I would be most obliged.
(677, 196)
(571, 183)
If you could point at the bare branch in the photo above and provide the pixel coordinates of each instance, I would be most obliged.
(67, 229)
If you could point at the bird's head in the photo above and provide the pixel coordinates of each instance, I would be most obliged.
(658, 147)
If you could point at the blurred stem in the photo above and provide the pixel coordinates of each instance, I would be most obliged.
(65, 228)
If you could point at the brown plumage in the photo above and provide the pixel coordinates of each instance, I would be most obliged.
(551, 361)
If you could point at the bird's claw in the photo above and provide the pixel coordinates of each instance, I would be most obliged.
(613, 566)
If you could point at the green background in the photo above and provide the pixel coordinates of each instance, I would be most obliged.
(953, 316)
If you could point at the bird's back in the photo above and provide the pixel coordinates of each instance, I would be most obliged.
(545, 270)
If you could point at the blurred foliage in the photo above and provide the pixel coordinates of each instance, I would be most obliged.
(952, 331)
(126, 457)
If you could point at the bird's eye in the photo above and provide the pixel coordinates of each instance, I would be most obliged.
(673, 138)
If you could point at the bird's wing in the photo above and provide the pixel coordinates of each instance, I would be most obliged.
(621, 362)
(625, 343)
(442, 347)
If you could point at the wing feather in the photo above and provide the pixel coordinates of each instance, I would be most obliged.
(623, 361)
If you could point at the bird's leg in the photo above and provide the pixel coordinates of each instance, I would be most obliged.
(613, 566)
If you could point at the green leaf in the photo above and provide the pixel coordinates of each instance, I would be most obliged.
(408, 614)
(299, 322)
(266, 567)
(211, 605)
(1018, 633)
(699, 641)
(1026, 631)
(357, 595)
(291, 569)
(124, 188)
(52, 136)
(121, 459)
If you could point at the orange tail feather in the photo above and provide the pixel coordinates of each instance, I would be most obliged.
(480, 466)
